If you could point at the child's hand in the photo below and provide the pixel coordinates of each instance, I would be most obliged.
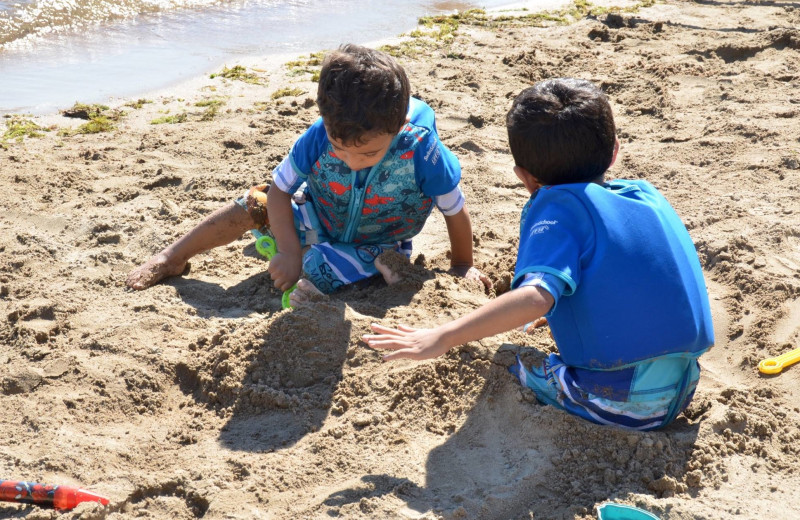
(284, 269)
(407, 343)
(535, 324)
(471, 273)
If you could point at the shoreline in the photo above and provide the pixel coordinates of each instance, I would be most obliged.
(72, 79)
(271, 64)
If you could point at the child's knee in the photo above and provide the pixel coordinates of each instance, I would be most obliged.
(255, 203)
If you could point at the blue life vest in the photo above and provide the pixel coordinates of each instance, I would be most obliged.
(387, 203)
(634, 285)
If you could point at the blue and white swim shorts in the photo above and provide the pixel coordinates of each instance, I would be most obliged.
(644, 397)
(327, 264)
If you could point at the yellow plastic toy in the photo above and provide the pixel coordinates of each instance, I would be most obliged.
(776, 364)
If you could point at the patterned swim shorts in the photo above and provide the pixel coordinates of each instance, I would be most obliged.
(327, 264)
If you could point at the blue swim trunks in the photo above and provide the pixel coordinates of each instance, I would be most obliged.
(658, 391)
(328, 265)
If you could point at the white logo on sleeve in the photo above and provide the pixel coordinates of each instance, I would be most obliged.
(432, 148)
(542, 226)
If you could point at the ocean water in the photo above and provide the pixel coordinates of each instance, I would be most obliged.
(56, 52)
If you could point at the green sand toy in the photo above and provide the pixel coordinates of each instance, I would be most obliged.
(266, 247)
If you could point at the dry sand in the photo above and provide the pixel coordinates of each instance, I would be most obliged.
(200, 397)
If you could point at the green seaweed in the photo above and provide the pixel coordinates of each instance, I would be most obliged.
(99, 118)
(95, 125)
(139, 103)
(314, 60)
(309, 65)
(211, 106)
(261, 106)
(433, 32)
(84, 111)
(238, 73)
(18, 128)
(286, 91)
(409, 48)
(447, 25)
(209, 103)
(443, 27)
(436, 32)
(170, 120)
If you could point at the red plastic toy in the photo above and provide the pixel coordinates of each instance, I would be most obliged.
(46, 495)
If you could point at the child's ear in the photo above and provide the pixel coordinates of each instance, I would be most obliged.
(616, 151)
(531, 183)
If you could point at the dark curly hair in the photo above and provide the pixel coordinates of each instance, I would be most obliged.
(361, 91)
(562, 131)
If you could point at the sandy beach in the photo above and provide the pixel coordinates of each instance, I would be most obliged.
(202, 398)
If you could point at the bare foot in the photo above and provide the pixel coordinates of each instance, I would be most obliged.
(153, 271)
(390, 276)
(304, 293)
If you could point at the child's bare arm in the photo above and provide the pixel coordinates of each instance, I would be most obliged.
(506, 312)
(285, 266)
(459, 229)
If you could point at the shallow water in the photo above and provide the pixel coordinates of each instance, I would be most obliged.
(56, 52)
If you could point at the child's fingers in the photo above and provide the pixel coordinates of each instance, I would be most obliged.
(475, 274)
(388, 330)
(380, 329)
(531, 326)
(406, 328)
(384, 342)
(539, 322)
(406, 342)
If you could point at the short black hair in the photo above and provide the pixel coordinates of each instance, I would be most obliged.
(562, 131)
(362, 91)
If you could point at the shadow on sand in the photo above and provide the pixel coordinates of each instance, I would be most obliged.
(515, 458)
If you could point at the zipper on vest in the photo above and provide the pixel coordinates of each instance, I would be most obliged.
(358, 194)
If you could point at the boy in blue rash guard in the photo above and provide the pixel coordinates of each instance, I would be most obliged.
(608, 263)
(361, 180)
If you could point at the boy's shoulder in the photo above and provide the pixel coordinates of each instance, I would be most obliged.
(590, 191)
(589, 200)
(421, 114)
(613, 185)
(309, 146)
(419, 138)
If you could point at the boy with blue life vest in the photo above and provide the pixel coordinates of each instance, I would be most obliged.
(361, 180)
(608, 263)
